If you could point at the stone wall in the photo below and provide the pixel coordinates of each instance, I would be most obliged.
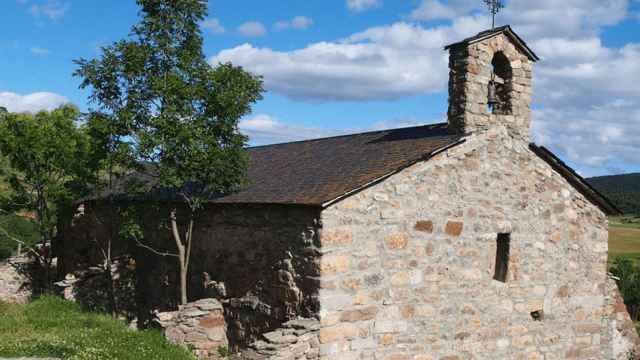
(15, 286)
(265, 255)
(199, 326)
(407, 265)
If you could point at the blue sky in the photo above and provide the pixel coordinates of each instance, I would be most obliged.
(337, 66)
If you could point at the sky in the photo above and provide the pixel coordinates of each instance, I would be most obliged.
(342, 66)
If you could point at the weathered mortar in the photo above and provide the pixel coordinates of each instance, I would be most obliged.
(407, 266)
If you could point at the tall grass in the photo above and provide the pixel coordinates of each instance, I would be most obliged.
(52, 327)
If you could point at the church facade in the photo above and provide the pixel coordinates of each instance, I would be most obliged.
(443, 242)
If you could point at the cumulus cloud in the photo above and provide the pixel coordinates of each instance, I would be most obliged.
(39, 51)
(52, 9)
(252, 29)
(535, 19)
(298, 23)
(362, 5)
(592, 136)
(214, 26)
(386, 62)
(32, 102)
(265, 129)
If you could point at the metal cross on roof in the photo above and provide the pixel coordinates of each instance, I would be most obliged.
(494, 8)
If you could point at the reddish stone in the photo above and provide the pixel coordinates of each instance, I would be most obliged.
(212, 322)
(454, 228)
(424, 226)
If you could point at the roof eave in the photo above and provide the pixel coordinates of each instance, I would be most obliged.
(577, 181)
(517, 40)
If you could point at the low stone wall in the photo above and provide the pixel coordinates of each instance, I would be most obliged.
(14, 286)
(199, 325)
(296, 340)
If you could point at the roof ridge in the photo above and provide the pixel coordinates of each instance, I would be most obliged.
(348, 135)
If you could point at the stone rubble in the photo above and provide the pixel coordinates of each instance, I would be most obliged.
(15, 287)
(199, 325)
(297, 340)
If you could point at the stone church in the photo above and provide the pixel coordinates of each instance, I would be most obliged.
(460, 240)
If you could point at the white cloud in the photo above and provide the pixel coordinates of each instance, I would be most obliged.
(52, 9)
(32, 102)
(39, 51)
(252, 29)
(434, 9)
(362, 5)
(298, 23)
(535, 19)
(214, 26)
(386, 62)
(265, 129)
(592, 136)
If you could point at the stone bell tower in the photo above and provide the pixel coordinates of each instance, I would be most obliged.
(490, 83)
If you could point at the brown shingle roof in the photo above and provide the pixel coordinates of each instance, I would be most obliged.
(315, 172)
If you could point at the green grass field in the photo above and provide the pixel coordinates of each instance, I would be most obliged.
(52, 327)
(624, 238)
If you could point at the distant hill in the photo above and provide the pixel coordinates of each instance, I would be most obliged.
(623, 190)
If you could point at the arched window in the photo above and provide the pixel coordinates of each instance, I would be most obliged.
(503, 77)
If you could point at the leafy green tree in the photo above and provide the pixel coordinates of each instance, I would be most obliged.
(47, 152)
(180, 113)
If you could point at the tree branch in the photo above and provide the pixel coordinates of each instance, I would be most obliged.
(159, 253)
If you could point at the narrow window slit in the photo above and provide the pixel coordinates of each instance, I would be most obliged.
(502, 257)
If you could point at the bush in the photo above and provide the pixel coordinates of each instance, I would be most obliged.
(628, 273)
(52, 327)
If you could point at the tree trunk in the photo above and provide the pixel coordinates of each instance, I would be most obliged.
(182, 257)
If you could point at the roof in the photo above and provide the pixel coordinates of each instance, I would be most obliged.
(507, 31)
(317, 172)
(320, 172)
(577, 181)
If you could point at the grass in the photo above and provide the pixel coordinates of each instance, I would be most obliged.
(52, 327)
(624, 238)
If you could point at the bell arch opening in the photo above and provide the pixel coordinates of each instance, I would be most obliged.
(501, 85)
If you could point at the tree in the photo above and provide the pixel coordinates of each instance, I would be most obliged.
(47, 152)
(180, 113)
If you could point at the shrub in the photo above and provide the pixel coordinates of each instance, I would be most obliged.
(628, 273)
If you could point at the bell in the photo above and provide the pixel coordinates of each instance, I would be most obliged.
(493, 97)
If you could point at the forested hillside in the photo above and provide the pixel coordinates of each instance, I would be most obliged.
(623, 190)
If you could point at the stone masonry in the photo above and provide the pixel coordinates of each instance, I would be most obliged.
(403, 278)
(407, 264)
(199, 325)
(296, 340)
(470, 72)
(14, 286)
